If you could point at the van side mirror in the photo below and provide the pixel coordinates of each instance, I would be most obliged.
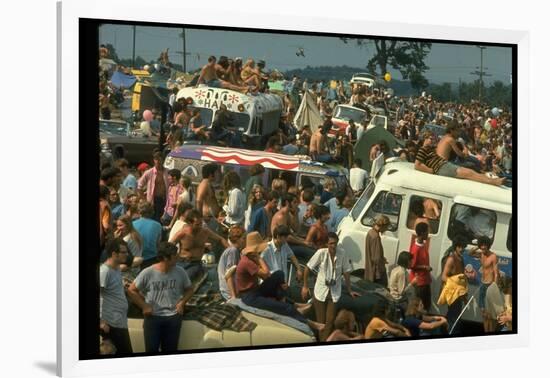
(392, 227)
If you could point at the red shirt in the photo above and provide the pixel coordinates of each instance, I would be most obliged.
(420, 256)
(247, 271)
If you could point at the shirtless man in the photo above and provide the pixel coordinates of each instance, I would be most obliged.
(206, 197)
(455, 265)
(222, 68)
(448, 142)
(318, 149)
(288, 216)
(489, 269)
(427, 160)
(192, 239)
(209, 76)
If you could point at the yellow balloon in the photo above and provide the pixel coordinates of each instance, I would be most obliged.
(387, 76)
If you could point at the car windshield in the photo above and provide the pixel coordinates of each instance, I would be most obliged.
(356, 115)
(114, 128)
(364, 76)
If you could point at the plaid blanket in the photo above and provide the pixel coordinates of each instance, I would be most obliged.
(225, 316)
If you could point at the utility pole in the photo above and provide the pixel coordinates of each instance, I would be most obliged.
(481, 72)
(184, 51)
(459, 85)
(134, 49)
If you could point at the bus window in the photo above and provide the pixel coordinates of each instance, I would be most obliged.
(427, 208)
(471, 222)
(313, 182)
(385, 203)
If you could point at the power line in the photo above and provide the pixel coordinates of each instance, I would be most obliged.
(481, 72)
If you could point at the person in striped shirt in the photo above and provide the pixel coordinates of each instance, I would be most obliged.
(428, 161)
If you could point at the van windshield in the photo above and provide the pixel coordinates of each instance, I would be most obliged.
(363, 200)
(238, 121)
(206, 115)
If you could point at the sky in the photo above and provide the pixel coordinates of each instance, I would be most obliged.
(448, 62)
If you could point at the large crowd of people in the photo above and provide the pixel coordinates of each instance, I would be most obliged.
(155, 226)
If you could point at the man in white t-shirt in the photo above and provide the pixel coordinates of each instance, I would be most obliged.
(357, 176)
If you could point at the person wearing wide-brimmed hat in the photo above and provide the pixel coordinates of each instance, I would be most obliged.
(262, 296)
(375, 262)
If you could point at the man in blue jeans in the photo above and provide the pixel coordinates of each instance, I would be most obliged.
(161, 291)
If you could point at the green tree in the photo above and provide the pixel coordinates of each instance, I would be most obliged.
(442, 92)
(499, 94)
(112, 52)
(405, 56)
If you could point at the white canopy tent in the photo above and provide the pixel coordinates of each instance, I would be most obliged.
(308, 113)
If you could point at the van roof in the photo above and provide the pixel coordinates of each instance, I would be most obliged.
(209, 97)
(403, 174)
(225, 155)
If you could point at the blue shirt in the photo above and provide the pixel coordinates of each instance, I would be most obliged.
(150, 232)
(336, 218)
(325, 196)
(118, 211)
(277, 259)
(412, 324)
(230, 257)
(130, 182)
(259, 222)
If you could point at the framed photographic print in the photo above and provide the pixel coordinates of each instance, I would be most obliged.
(247, 184)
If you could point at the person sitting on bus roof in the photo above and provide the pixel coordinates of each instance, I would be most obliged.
(428, 161)
(234, 71)
(209, 76)
(250, 76)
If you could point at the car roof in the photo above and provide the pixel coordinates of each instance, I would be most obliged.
(350, 107)
(364, 74)
(403, 174)
(113, 121)
(238, 156)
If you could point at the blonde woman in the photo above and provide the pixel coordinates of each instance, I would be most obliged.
(249, 75)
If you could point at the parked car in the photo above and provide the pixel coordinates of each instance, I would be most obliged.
(341, 116)
(118, 140)
(363, 79)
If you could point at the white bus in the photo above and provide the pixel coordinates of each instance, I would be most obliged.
(255, 116)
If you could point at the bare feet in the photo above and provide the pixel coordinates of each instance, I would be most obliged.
(316, 326)
(499, 181)
(303, 308)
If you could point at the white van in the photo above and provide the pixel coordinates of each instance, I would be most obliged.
(254, 116)
(466, 207)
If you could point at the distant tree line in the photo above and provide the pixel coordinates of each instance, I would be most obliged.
(496, 94)
(324, 73)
